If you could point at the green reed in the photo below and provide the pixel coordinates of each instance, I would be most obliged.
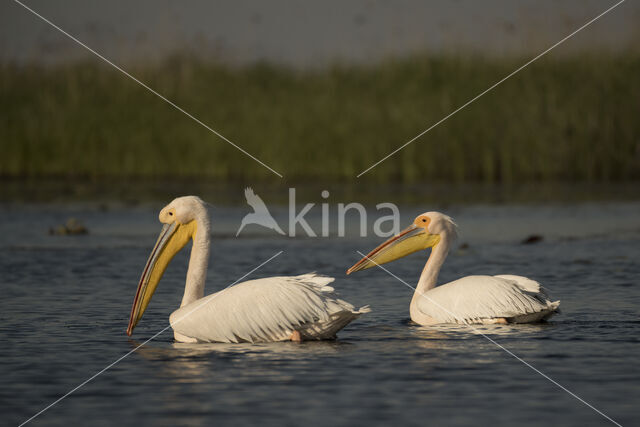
(567, 118)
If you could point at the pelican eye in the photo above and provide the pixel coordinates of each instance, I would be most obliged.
(170, 213)
(424, 220)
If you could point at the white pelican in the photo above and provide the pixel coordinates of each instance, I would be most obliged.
(270, 309)
(471, 299)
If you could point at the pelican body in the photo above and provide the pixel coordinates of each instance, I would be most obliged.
(264, 310)
(471, 299)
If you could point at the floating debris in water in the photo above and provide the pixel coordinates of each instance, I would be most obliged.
(463, 248)
(72, 227)
(534, 238)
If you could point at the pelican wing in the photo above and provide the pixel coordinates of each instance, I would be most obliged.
(267, 309)
(256, 202)
(473, 298)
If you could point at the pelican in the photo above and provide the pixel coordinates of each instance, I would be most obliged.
(260, 214)
(271, 309)
(472, 299)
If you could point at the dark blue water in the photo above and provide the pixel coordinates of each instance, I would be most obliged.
(66, 300)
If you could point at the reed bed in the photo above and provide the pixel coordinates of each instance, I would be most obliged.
(561, 119)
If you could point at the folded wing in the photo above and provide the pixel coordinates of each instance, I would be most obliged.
(265, 310)
(475, 298)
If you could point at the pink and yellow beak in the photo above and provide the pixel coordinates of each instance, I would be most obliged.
(412, 239)
(172, 239)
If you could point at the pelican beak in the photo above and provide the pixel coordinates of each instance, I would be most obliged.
(410, 240)
(173, 237)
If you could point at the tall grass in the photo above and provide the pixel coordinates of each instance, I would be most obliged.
(570, 118)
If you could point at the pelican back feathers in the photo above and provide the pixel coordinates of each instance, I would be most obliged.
(267, 309)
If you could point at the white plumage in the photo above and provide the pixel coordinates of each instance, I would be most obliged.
(477, 299)
(265, 310)
(471, 299)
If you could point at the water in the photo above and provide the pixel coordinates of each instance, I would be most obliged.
(66, 301)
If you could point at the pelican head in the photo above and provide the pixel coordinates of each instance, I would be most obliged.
(425, 232)
(179, 219)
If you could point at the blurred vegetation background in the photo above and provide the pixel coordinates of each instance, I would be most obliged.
(569, 118)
